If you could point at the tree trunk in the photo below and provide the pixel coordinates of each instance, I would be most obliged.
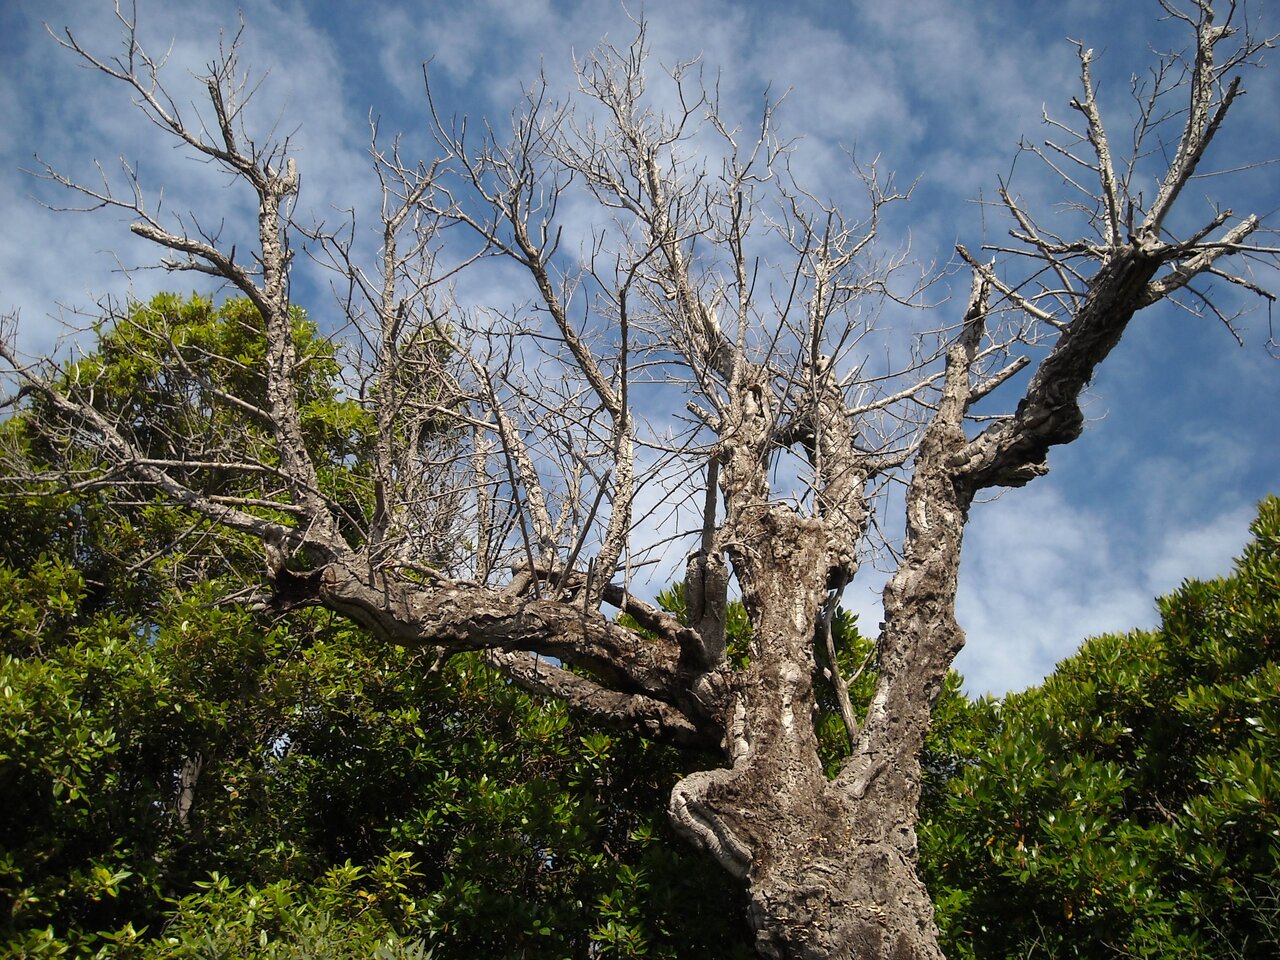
(828, 874)
(818, 897)
(830, 865)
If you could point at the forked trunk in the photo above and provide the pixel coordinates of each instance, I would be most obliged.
(829, 874)
(830, 865)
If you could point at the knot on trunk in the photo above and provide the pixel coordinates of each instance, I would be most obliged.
(693, 817)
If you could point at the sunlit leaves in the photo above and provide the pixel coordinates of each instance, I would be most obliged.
(348, 797)
(1131, 803)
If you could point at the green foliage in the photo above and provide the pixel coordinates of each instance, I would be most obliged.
(1131, 805)
(737, 624)
(348, 798)
(180, 373)
(348, 914)
(181, 366)
(527, 833)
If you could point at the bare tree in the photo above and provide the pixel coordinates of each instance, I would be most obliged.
(668, 383)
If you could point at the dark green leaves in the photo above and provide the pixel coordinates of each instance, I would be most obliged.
(1131, 804)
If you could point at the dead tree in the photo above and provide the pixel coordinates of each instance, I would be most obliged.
(702, 368)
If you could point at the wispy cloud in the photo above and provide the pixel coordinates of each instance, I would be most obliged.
(1042, 573)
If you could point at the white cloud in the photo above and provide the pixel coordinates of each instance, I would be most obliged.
(1042, 573)
(71, 115)
(1200, 552)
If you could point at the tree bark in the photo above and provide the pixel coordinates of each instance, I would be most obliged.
(829, 873)
(830, 865)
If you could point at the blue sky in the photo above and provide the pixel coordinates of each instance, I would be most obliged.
(1183, 438)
